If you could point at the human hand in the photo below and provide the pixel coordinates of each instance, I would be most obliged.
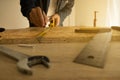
(37, 17)
(56, 18)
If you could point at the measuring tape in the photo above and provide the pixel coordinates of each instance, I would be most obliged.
(49, 25)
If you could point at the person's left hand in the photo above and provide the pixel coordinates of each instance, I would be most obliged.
(56, 18)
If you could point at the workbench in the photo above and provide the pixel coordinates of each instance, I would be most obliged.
(61, 45)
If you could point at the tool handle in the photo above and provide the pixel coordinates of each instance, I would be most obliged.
(12, 53)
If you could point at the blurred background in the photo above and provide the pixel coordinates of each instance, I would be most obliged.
(82, 14)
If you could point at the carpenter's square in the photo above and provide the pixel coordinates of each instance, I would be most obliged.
(25, 61)
(94, 53)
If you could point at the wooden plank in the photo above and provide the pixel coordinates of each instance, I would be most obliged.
(94, 53)
(116, 27)
(66, 35)
(25, 35)
(55, 35)
(31, 35)
(92, 30)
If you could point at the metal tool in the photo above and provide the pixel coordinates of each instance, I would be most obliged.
(2, 29)
(50, 23)
(94, 52)
(25, 61)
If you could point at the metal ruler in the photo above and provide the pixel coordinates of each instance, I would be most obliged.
(94, 53)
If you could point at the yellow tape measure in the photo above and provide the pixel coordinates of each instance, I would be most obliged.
(50, 25)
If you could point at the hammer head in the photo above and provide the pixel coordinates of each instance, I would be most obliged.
(25, 64)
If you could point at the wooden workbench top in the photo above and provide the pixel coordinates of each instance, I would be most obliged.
(57, 34)
(64, 46)
(62, 67)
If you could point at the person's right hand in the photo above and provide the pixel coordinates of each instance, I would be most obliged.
(37, 17)
(56, 18)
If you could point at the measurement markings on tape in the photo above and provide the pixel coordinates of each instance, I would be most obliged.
(95, 51)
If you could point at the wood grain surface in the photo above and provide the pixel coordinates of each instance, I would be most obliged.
(55, 35)
(62, 66)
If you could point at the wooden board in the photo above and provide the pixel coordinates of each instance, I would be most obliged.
(66, 35)
(30, 35)
(55, 35)
(93, 30)
(27, 35)
(116, 28)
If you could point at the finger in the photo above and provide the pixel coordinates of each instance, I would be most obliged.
(57, 21)
(31, 18)
(45, 17)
